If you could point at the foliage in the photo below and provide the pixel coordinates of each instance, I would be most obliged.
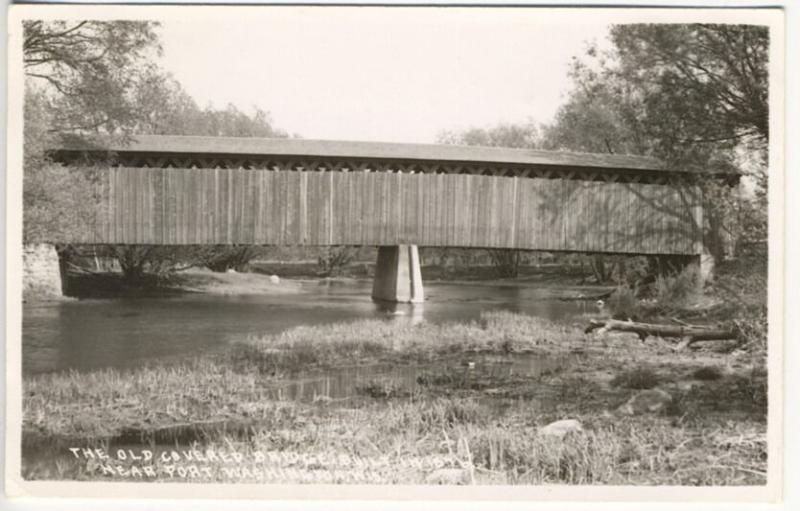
(158, 260)
(676, 290)
(704, 83)
(518, 136)
(599, 116)
(79, 78)
(231, 257)
(742, 285)
(95, 79)
(165, 108)
(57, 202)
(696, 97)
(630, 271)
(622, 270)
(332, 260)
(505, 261)
(89, 70)
(692, 95)
(624, 304)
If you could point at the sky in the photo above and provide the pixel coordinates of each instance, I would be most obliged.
(390, 75)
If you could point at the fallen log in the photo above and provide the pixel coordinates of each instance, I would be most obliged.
(582, 298)
(689, 333)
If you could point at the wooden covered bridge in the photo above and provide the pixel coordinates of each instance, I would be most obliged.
(171, 190)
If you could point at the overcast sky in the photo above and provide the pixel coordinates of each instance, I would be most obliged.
(381, 74)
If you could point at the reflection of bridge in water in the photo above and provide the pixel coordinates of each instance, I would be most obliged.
(168, 190)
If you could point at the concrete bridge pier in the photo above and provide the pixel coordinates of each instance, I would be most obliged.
(398, 277)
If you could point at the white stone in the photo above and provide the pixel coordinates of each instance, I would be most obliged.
(561, 428)
(274, 279)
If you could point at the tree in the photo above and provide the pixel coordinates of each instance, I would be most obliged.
(95, 80)
(88, 70)
(520, 136)
(692, 95)
(333, 260)
(163, 107)
(601, 115)
(79, 78)
(707, 83)
(681, 92)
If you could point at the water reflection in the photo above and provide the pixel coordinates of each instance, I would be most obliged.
(90, 334)
(412, 312)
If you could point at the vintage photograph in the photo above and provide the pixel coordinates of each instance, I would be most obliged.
(395, 246)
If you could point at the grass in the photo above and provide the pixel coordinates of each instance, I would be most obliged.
(484, 430)
(636, 379)
(364, 341)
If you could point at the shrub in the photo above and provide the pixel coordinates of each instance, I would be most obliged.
(673, 291)
(624, 304)
(221, 259)
(332, 260)
(506, 262)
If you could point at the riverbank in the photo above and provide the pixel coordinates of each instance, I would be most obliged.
(456, 423)
(193, 280)
(290, 278)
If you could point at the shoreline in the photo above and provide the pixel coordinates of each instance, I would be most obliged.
(203, 281)
(498, 416)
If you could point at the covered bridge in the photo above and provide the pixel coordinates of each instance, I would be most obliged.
(175, 190)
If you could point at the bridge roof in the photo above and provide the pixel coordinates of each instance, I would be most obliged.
(240, 146)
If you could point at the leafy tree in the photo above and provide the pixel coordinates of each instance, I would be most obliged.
(58, 202)
(88, 69)
(333, 260)
(601, 115)
(95, 80)
(693, 95)
(231, 257)
(703, 83)
(520, 136)
(165, 108)
(79, 78)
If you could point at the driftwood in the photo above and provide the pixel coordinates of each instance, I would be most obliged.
(688, 334)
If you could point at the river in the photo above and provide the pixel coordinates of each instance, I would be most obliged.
(91, 334)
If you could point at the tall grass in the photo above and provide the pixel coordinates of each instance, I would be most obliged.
(676, 291)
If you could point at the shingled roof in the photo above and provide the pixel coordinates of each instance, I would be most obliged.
(239, 146)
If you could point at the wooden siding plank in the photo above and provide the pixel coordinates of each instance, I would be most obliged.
(209, 206)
